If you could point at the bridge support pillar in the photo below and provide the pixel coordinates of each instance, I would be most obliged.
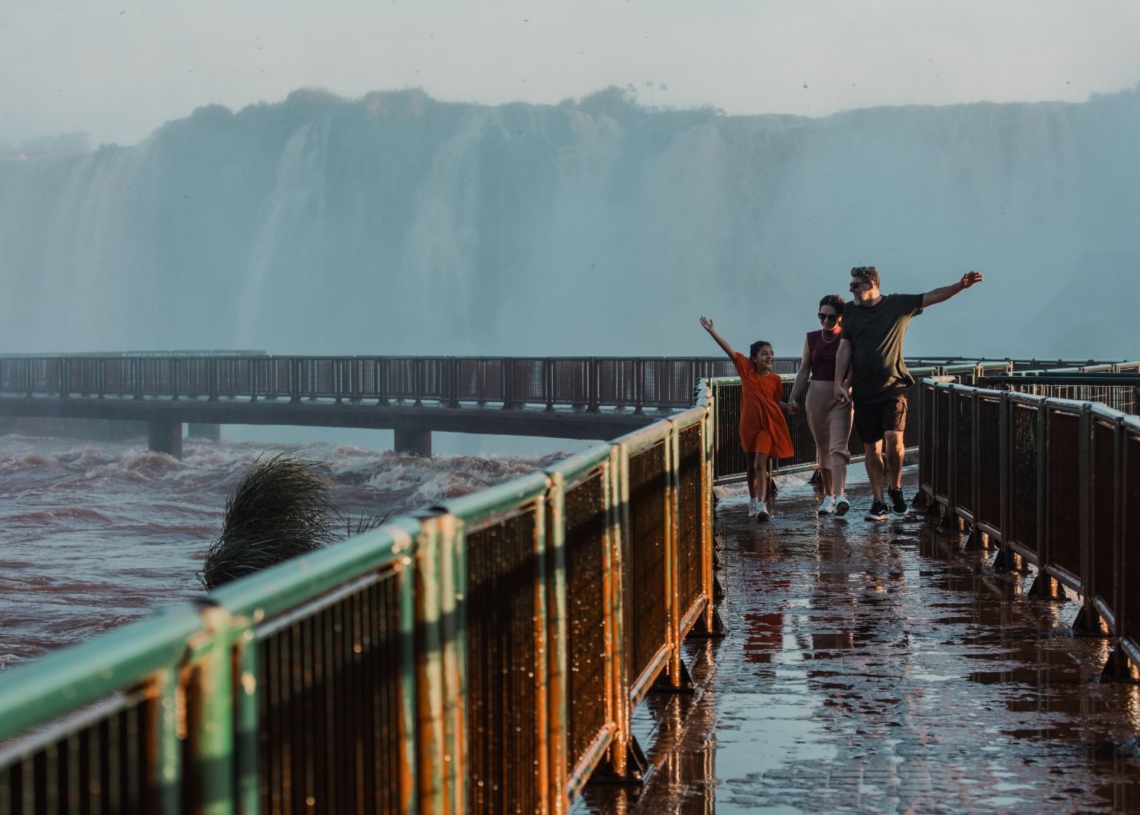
(164, 437)
(414, 441)
(195, 430)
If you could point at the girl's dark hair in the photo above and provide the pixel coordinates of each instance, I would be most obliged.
(833, 300)
(756, 346)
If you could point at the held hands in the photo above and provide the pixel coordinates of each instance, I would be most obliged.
(840, 393)
(707, 324)
(788, 407)
(969, 279)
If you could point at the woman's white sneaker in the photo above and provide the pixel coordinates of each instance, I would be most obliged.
(842, 505)
(751, 507)
(761, 511)
(828, 505)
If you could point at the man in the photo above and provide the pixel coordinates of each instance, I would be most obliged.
(871, 351)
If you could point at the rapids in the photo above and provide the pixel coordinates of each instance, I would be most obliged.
(93, 536)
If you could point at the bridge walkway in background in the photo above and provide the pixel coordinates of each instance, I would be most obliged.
(563, 397)
(882, 668)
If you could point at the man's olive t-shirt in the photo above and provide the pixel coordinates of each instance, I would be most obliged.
(876, 335)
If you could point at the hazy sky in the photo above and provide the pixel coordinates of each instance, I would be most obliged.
(116, 70)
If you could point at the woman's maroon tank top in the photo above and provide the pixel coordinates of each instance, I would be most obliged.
(822, 356)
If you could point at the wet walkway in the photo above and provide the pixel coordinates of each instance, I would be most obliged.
(882, 668)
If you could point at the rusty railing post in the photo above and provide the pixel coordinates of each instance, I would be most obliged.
(626, 761)
(452, 396)
(557, 637)
(1003, 561)
(1043, 583)
(1087, 620)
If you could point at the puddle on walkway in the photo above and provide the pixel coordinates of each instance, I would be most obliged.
(882, 668)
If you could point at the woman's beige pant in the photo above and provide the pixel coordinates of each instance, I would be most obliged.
(831, 428)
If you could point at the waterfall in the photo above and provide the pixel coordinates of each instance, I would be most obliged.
(399, 224)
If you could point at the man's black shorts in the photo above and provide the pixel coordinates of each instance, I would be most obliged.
(873, 419)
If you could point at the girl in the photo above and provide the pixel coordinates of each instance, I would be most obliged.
(763, 429)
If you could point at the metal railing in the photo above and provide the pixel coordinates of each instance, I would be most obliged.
(481, 656)
(486, 655)
(1051, 481)
(1115, 384)
(583, 383)
(729, 456)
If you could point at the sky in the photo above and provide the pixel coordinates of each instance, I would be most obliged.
(117, 70)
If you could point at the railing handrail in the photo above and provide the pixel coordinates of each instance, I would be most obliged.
(587, 383)
(204, 685)
(580, 383)
(1053, 378)
(72, 677)
(1074, 464)
(403, 604)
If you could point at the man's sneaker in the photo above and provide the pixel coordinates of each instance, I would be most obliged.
(761, 511)
(751, 507)
(879, 512)
(898, 503)
(828, 505)
(842, 505)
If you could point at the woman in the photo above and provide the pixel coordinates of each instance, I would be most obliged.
(830, 422)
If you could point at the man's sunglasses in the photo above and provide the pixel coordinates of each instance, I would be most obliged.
(858, 284)
(828, 317)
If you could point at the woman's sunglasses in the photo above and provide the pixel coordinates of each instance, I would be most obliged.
(823, 316)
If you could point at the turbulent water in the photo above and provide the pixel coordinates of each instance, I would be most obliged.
(400, 224)
(95, 535)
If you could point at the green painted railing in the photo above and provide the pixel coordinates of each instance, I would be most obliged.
(486, 655)
(482, 656)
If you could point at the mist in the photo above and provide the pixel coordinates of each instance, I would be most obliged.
(399, 224)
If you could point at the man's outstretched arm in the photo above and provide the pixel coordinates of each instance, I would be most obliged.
(946, 292)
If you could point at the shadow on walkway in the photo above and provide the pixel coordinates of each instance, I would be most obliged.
(882, 668)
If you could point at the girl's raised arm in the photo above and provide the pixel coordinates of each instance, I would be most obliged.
(707, 325)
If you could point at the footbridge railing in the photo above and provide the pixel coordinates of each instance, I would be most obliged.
(481, 656)
(1116, 385)
(585, 383)
(486, 655)
(1054, 482)
(729, 457)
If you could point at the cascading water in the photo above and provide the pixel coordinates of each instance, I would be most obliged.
(399, 224)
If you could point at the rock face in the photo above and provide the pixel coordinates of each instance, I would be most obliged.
(400, 224)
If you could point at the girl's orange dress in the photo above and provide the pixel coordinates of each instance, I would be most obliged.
(763, 428)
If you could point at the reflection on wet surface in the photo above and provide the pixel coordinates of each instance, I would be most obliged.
(882, 668)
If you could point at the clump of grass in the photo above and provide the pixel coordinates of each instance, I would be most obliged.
(362, 523)
(280, 509)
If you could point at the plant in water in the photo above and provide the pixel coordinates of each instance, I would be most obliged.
(281, 508)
